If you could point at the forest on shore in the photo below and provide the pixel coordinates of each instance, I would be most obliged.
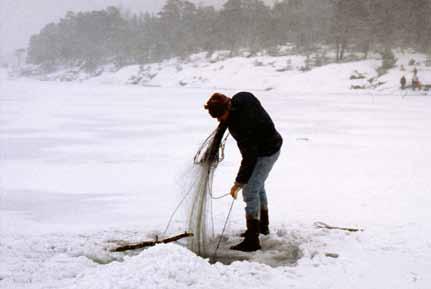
(182, 28)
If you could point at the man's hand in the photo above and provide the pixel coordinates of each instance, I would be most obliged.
(235, 189)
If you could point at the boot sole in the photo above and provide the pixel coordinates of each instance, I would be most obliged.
(245, 250)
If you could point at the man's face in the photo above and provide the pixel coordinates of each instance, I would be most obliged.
(223, 117)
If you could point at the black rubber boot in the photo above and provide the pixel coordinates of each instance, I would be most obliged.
(263, 225)
(264, 222)
(251, 241)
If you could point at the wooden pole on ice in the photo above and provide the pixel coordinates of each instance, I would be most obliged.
(151, 243)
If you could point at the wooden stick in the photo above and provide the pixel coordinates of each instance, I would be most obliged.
(151, 243)
(322, 225)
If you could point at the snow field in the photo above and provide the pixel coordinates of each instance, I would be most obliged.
(86, 166)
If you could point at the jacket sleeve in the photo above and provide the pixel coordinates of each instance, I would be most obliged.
(249, 159)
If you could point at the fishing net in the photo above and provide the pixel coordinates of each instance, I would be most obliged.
(209, 155)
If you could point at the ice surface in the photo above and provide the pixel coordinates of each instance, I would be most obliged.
(85, 166)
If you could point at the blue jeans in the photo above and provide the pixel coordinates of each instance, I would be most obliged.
(253, 192)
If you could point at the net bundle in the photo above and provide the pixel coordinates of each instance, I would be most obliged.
(209, 155)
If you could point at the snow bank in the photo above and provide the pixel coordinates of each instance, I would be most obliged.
(121, 76)
(172, 266)
(253, 73)
(288, 74)
(283, 73)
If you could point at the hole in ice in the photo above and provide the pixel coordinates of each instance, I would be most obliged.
(275, 252)
(228, 257)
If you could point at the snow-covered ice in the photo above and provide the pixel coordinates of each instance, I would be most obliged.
(85, 166)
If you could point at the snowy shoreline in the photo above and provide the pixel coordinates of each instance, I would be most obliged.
(261, 73)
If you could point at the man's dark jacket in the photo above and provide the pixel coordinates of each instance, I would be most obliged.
(252, 128)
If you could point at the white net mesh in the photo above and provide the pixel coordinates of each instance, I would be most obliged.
(206, 160)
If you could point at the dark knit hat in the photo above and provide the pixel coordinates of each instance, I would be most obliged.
(217, 105)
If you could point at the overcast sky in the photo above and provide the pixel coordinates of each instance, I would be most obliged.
(19, 19)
